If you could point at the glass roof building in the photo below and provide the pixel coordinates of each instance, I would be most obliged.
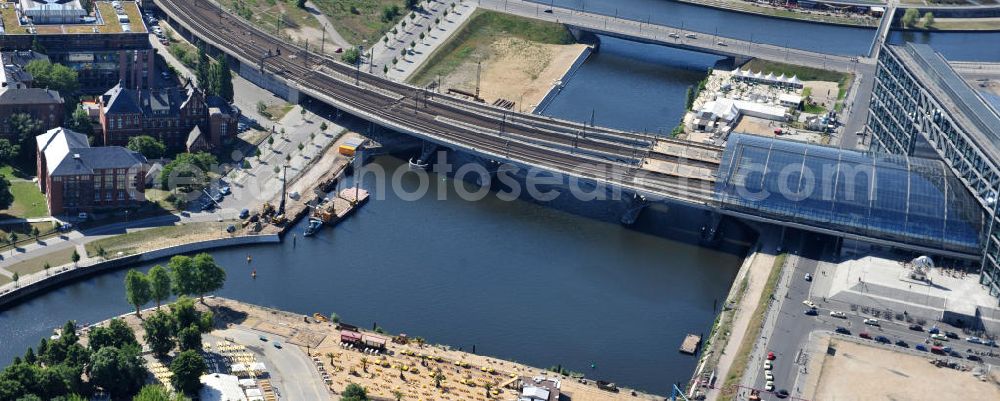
(902, 201)
(921, 107)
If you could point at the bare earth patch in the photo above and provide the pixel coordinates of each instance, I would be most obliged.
(861, 372)
(515, 69)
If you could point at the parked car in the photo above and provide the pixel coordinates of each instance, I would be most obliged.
(768, 375)
(838, 314)
(916, 327)
(938, 350)
(865, 335)
(974, 340)
(811, 312)
(781, 393)
(872, 322)
(244, 213)
(939, 337)
(277, 345)
(955, 354)
(809, 277)
(990, 343)
(934, 330)
(974, 358)
(883, 339)
(82, 216)
(902, 343)
(920, 347)
(768, 365)
(769, 386)
(771, 356)
(263, 338)
(809, 303)
(951, 334)
(843, 330)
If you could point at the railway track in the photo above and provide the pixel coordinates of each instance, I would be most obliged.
(602, 155)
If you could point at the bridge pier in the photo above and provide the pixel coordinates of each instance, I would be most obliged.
(586, 37)
(633, 207)
(710, 231)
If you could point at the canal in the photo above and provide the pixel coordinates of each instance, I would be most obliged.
(518, 280)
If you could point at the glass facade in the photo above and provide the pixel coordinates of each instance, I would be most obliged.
(921, 107)
(905, 200)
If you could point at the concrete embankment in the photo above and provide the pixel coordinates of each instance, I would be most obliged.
(557, 87)
(742, 7)
(84, 270)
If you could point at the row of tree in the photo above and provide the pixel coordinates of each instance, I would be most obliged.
(214, 78)
(912, 16)
(183, 276)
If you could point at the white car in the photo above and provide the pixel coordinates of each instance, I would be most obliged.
(720, 43)
(769, 386)
(768, 365)
(691, 36)
(768, 376)
(809, 303)
(872, 322)
(673, 35)
(838, 314)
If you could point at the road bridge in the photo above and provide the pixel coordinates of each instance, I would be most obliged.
(653, 33)
(603, 156)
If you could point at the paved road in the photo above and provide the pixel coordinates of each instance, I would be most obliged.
(382, 53)
(292, 372)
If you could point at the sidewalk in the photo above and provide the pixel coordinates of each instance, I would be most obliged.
(332, 36)
(383, 54)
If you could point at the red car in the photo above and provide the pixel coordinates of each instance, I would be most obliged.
(770, 356)
(864, 334)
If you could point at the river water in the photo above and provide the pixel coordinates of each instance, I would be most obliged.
(518, 280)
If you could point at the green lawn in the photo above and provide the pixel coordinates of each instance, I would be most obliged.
(133, 241)
(54, 259)
(482, 30)
(359, 20)
(28, 201)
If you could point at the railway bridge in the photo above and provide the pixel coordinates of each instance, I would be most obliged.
(654, 167)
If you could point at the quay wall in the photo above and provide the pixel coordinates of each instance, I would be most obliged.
(71, 274)
(556, 89)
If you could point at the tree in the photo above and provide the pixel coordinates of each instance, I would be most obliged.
(196, 276)
(300, 4)
(187, 368)
(412, 4)
(16, 277)
(75, 257)
(80, 121)
(56, 77)
(189, 338)
(354, 392)
(398, 395)
(910, 17)
(159, 328)
(438, 378)
(155, 392)
(27, 128)
(929, 20)
(159, 284)
(323, 126)
(224, 80)
(191, 170)
(35, 233)
(137, 289)
(8, 151)
(46, 266)
(147, 146)
(364, 364)
(116, 334)
(203, 70)
(351, 56)
(118, 371)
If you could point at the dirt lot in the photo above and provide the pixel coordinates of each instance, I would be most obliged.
(865, 373)
(516, 69)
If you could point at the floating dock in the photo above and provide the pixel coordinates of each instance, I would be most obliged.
(690, 344)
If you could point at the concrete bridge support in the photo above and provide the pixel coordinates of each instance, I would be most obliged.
(585, 37)
(710, 231)
(633, 207)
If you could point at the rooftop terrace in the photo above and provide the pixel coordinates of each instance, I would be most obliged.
(106, 21)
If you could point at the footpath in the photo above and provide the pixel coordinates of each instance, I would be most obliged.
(435, 34)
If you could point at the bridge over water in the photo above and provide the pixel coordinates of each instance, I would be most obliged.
(678, 37)
(654, 167)
(660, 169)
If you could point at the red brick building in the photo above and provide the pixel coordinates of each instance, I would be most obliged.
(78, 178)
(166, 114)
